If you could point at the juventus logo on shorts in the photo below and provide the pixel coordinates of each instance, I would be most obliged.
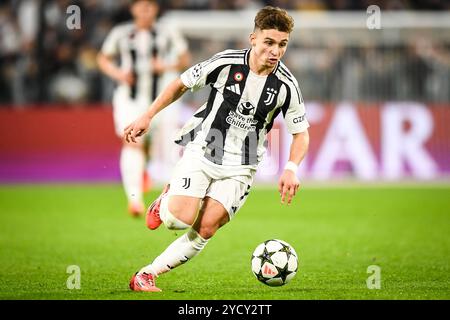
(187, 183)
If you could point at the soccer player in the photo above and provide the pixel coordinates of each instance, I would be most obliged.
(225, 140)
(149, 53)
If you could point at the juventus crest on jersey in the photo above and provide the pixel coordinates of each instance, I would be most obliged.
(231, 126)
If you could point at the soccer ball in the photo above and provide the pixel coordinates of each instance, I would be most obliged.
(274, 262)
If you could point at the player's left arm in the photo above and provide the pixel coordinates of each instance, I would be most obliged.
(289, 183)
(297, 124)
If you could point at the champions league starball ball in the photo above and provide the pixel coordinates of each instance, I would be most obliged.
(274, 262)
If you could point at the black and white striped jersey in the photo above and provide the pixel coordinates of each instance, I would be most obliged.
(231, 127)
(136, 48)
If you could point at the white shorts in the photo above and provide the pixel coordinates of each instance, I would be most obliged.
(195, 176)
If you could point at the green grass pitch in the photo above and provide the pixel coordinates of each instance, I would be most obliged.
(337, 232)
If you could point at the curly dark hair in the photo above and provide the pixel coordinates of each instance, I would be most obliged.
(274, 18)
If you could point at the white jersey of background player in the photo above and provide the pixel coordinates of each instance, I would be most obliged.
(150, 56)
(225, 140)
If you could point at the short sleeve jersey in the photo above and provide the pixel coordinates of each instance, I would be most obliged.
(231, 127)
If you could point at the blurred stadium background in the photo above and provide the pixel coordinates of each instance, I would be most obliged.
(378, 100)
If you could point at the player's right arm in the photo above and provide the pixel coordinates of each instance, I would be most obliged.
(141, 125)
(295, 117)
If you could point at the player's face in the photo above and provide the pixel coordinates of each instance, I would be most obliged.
(144, 13)
(269, 46)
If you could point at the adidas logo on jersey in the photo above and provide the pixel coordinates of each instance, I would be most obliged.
(234, 88)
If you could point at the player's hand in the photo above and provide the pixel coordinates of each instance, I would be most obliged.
(158, 66)
(136, 129)
(126, 77)
(288, 186)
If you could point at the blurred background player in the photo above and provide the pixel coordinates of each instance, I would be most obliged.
(225, 140)
(378, 102)
(150, 56)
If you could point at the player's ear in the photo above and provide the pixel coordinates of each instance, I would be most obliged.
(252, 39)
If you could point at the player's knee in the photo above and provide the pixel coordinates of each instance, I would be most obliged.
(207, 231)
(208, 227)
(173, 223)
(170, 218)
(179, 215)
(176, 224)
